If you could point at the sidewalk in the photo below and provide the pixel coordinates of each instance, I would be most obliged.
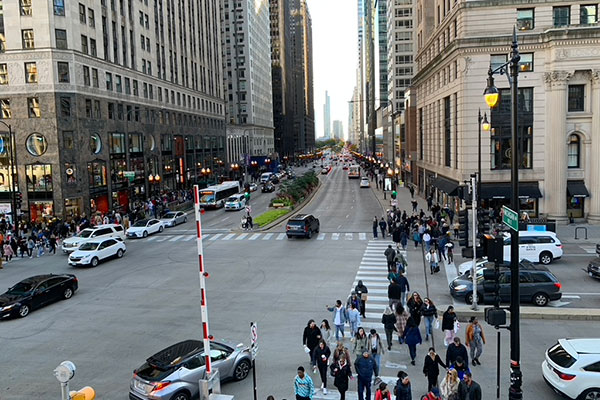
(566, 233)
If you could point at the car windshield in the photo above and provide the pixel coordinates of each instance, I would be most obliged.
(85, 233)
(89, 246)
(169, 215)
(21, 288)
(232, 199)
(141, 223)
(207, 198)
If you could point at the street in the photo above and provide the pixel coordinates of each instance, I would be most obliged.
(126, 310)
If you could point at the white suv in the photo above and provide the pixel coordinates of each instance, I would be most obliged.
(572, 368)
(542, 247)
(101, 231)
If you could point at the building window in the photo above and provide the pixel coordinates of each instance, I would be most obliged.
(118, 84)
(3, 74)
(447, 132)
(33, 106)
(525, 19)
(497, 60)
(27, 36)
(574, 148)
(91, 18)
(561, 16)
(111, 110)
(70, 175)
(117, 143)
(88, 108)
(5, 109)
(135, 88)
(31, 74)
(82, 16)
(26, 8)
(526, 62)
(39, 176)
(61, 38)
(576, 98)
(97, 110)
(421, 135)
(95, 143)
(95, 78)
(97, 174)
(109, 81)
(86, 75)
(93, 48)
(59, 8)
(588, 14)
(68, 140)
(127, 86)
(36, 144)
(65, 107)
(63, 72)
(84, 44)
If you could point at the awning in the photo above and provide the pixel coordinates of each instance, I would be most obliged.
(503, 190)
(577, 189)
(447, 186)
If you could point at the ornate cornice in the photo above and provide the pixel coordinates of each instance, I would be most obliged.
(557, 79)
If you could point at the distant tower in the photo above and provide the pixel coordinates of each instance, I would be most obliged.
(327, 116)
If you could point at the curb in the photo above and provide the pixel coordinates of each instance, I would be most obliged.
(575, 314)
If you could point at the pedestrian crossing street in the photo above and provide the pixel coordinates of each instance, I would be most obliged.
(211, 237)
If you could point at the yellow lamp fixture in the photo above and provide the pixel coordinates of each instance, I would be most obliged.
(491, 93)
(485, 125)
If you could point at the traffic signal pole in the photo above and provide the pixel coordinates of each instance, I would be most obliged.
(474, 235)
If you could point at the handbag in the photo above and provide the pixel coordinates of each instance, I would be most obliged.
(436, 324)
(306, 349)
(456, 326)
(364, 297)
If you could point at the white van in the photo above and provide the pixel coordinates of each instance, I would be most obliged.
(265, 177)
(542, 247)
(98, 232)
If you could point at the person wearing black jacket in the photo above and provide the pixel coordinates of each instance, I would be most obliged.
(394, 294)
(448, 320)
(455, 350)
(431, 368)
(388, 319)
(341, 372)
(361, 291)
(429, 313)
(404, 287)
(321, 359)
(311, 337)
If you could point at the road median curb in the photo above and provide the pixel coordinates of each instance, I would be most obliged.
(550, 313)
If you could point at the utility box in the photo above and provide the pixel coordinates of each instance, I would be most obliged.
(220, 397)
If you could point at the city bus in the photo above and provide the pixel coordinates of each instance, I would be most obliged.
(215, 196)
(354, 172)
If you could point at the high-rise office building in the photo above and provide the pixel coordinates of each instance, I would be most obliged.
(109, 102)
(327, 116)
(309, 106)
(248, 91)
(338, 130)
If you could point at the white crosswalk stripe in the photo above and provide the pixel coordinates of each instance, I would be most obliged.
(175, 238)
(241, 236)
(362, 236)
(349, 236)
(190, 237)
(335, 236)
(229, 236)
(370, 258)
(153, 238)
(162, 238)
(321, 236)
(267, 236)
(281, 236)
(255, 236)
(217, 236)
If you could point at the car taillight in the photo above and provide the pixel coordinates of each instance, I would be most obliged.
(559, 246)
(306, 228)
(287, 228)
(563, 376)
(558, 285)
(160, 385)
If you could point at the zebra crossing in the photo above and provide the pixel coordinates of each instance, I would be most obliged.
(252, 236)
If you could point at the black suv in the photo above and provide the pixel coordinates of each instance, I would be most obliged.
(302, 225)
(538, 284)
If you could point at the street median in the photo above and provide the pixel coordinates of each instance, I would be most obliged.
(551, 313)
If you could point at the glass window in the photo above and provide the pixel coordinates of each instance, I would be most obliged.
(65, 107)
(166, 143)
(33, 106)
(117, 169)
(95, 143)
(595, 367)
(127, 86)
(573, 151)
(525, 19)
(109, 81)
(93, 48)
(27, 36)
(31, 72)
(111, 110)
(68, 140)
(588, 14)
(5, 174)
(5, 108)
(95, 78)
(97, 174)
(496, 60)
(88, 108)
(63, 72)
(59, 8)
(39, 177)
(36, 144)
(576, 98)
(91, 18)
(84, 44)
(526, 62)
(97, 111)
(117, 143)
(151, 142)
(61, 38)
(86, 76)
(135, 88)
(118, 84)
(82, 16)
(561, 16)
(135, 143)
(3, 74)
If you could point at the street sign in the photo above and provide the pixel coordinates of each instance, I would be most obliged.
(129, 175)
(510, 218)
(253, 339)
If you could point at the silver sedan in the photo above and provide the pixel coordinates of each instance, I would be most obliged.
(173, 218)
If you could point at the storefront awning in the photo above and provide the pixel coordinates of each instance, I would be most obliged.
(577, 189)
(447, 186)
(503, 190)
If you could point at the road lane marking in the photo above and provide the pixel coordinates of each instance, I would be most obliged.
(349, 236)
(321, 236)
(255, 236)
(362, 236)
(242, 236)
(162, 239)
(152, 238)
(267, 236)
(190, 237)
(217, 236)
(571, 296)
(280, 236)
(229, 236)
(335, 236)
(174, 238)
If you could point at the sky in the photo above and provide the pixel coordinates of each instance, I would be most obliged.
(335, 58)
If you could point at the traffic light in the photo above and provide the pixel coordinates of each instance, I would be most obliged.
(491, 285)
(483, 221)
(86, 393)
(463, 230)
(493, 248)
(464, 194)
(18, 200)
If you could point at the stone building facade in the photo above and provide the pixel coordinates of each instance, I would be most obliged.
(559, 103)
(108, 101)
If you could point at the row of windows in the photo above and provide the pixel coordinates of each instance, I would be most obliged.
(561, 16)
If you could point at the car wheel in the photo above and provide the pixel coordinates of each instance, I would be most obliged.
(94, 262)
(546, 258)
(119, 253)
(145, 234)
(590, 394)
(181, 396)
(309, 234)
(469, 298)
(23, 311)
(161, 228)
(68, 293)
(241, 370)
(540, 299)
(184, 220)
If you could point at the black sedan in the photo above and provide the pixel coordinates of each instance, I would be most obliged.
(593, 268)
(36, 292)
(267, 188)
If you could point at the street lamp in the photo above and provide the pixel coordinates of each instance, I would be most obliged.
(482, 123)
(492, 96)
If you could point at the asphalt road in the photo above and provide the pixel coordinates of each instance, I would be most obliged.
(126, 310)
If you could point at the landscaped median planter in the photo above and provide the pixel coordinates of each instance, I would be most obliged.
(270, 216)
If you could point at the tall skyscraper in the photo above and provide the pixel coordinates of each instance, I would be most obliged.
(381, 54)
(327, 116)
(338, 130)
(402, 47)
(247, 64)
(309, 106)
(105, 107)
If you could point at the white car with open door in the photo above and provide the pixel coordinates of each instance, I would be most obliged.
(92, 252)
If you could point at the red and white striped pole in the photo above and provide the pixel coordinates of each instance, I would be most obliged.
(203, 275)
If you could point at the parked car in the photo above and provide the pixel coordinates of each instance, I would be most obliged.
(538, 285)
(593, 268)
(325, 170)
(235, 202)
(467, 265)
(274, 179)
(92, 252)
(267, 188)
(345, 167)
(145, 227)
(35, 292)
(101, 231)
(364, 182)
(173, 373)
(542, 247)
(572, 368)
(253, 187)
(302, 225)
(265, 177)
(173, 218)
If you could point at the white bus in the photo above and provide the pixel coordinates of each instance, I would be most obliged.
(215, 196)
(354, 172)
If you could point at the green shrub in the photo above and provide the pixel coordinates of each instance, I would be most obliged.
(270, 216)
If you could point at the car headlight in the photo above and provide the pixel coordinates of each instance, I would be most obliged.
(6, 308)
(460, 288)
